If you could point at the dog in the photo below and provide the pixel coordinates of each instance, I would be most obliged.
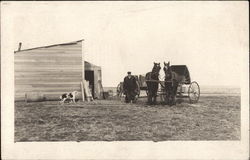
(69, 96)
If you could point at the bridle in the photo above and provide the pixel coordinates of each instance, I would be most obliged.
(155, 71)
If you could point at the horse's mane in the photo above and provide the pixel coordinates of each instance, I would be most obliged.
(155, 72)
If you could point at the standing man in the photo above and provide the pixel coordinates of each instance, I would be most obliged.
(130, 88)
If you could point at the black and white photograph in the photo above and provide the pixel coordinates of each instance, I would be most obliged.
(125, 73)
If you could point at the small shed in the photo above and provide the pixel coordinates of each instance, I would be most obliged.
(53, 70)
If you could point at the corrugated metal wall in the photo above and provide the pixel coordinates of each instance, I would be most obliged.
(52, 70)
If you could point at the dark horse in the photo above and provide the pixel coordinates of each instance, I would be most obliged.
(151, 85)
(171, 84)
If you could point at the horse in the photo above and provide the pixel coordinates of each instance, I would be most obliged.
(171, 84)
(151, 85)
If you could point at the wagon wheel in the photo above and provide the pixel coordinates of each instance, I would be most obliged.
(194, 92)
(119, 90)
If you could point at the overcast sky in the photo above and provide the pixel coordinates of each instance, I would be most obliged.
(211, 38)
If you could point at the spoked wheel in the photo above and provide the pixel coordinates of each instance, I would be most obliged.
(194, 92)
(119, 91)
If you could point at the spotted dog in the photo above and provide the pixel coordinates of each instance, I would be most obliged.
(69, 96)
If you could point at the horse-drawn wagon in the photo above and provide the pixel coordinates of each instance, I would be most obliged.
(185, 87)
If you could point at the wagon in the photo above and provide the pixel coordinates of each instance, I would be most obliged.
(186, 88)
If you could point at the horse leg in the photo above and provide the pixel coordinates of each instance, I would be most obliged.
(155, 92)
(173, 97)
(169, 93)
(170, 97)
(175, 92)
(167, 98)
(155, 96)
(154, 99)
(149, 97)
(171, 100)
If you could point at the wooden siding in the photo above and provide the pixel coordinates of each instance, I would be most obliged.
(51, 70)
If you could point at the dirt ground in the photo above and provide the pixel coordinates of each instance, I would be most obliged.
(212, 118)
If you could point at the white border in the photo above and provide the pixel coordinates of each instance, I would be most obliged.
(113, 150)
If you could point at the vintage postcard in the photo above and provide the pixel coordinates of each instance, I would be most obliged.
(125, 80)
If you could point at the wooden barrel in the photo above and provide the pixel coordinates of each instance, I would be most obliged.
(34, 97)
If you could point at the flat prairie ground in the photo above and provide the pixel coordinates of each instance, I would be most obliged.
(212, 118)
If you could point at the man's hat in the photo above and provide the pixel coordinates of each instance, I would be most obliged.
(129, 72)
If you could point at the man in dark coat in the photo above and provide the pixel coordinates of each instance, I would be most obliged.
(130, 88)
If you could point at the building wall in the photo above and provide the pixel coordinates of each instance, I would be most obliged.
(52, 70)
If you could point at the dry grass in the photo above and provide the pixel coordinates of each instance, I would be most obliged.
(213, 118)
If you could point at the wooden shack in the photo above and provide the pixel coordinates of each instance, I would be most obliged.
(53, 70)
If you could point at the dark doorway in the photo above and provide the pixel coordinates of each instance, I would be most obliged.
(89, 76)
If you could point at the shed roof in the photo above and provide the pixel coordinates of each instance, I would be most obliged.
(61, 44)
(91, 66)
(88, 65)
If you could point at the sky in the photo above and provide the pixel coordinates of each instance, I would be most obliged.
(211, 38)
